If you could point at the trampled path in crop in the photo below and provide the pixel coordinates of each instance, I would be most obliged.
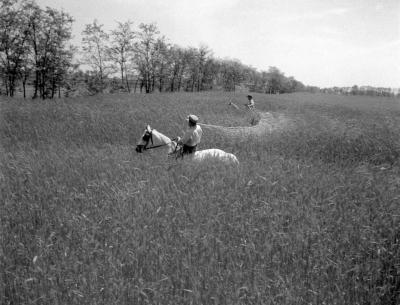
(268, 123)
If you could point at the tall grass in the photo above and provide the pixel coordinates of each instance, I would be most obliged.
(311, 216)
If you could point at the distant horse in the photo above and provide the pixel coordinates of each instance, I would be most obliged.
(249, 106)
(158, 140)
(234, 105)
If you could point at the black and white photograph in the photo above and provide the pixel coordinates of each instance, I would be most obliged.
(200, 152)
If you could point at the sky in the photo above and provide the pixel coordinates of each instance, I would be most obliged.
(323, 43)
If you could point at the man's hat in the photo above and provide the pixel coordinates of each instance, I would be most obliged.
(249, 96)
(193, 118)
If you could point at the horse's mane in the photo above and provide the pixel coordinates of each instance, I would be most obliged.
(160, 137)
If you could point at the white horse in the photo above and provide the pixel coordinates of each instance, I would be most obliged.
(158, 140)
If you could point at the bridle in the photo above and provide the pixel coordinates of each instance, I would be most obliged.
(148, 137)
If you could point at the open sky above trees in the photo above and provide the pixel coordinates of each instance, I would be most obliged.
(321, 43)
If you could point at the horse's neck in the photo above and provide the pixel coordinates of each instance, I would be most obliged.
(163, 139)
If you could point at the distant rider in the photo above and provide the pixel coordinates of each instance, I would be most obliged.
(192, 136)
(250, 104)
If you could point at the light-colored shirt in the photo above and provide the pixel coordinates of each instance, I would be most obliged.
(192, 136)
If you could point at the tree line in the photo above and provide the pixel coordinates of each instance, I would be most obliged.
(35, 51)
(363, 90)
(33, 46)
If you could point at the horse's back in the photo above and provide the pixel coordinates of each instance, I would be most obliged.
(215, 153)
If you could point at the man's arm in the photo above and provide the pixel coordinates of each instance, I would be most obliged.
(186, 137)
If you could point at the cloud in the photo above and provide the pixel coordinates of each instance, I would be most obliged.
(379, 7)
(204, 7)
(335, 12)
(390, 46)
(329, 30)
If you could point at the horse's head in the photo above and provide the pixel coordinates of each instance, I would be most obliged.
(145, 139)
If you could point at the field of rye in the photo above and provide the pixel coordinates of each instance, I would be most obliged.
(310, 216)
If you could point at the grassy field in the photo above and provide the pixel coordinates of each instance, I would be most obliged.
(311, 216)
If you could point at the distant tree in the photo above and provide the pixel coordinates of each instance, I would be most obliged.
(62, 64)
(191, 72)
(121, 49)
(292, 85)
(253, 80)
(25, 72)
(49, 32)
(14, 47)
(95, 47)
(210, 73)
(354, 90)
(203, 55)
(146, 52)
(312, 89)
(197, 59)
(231, 74)
(182, 63)
(275, 81)
(177, 65)
(162, 63)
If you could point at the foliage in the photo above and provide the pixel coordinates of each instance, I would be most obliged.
(96, 50)
(34, 40)
(34, 50)
(364, 90)
(50, 30)
(146, 49)
(121, 49)
(155, 64)
(311, 216)
(13, 42)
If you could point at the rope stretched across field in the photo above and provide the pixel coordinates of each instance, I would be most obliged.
(267, 123)
(221, 127)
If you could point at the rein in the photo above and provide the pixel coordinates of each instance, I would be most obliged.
(157, 146)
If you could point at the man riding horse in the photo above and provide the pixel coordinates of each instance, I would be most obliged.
(152, 139)
(250, 103)
(192, 136)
